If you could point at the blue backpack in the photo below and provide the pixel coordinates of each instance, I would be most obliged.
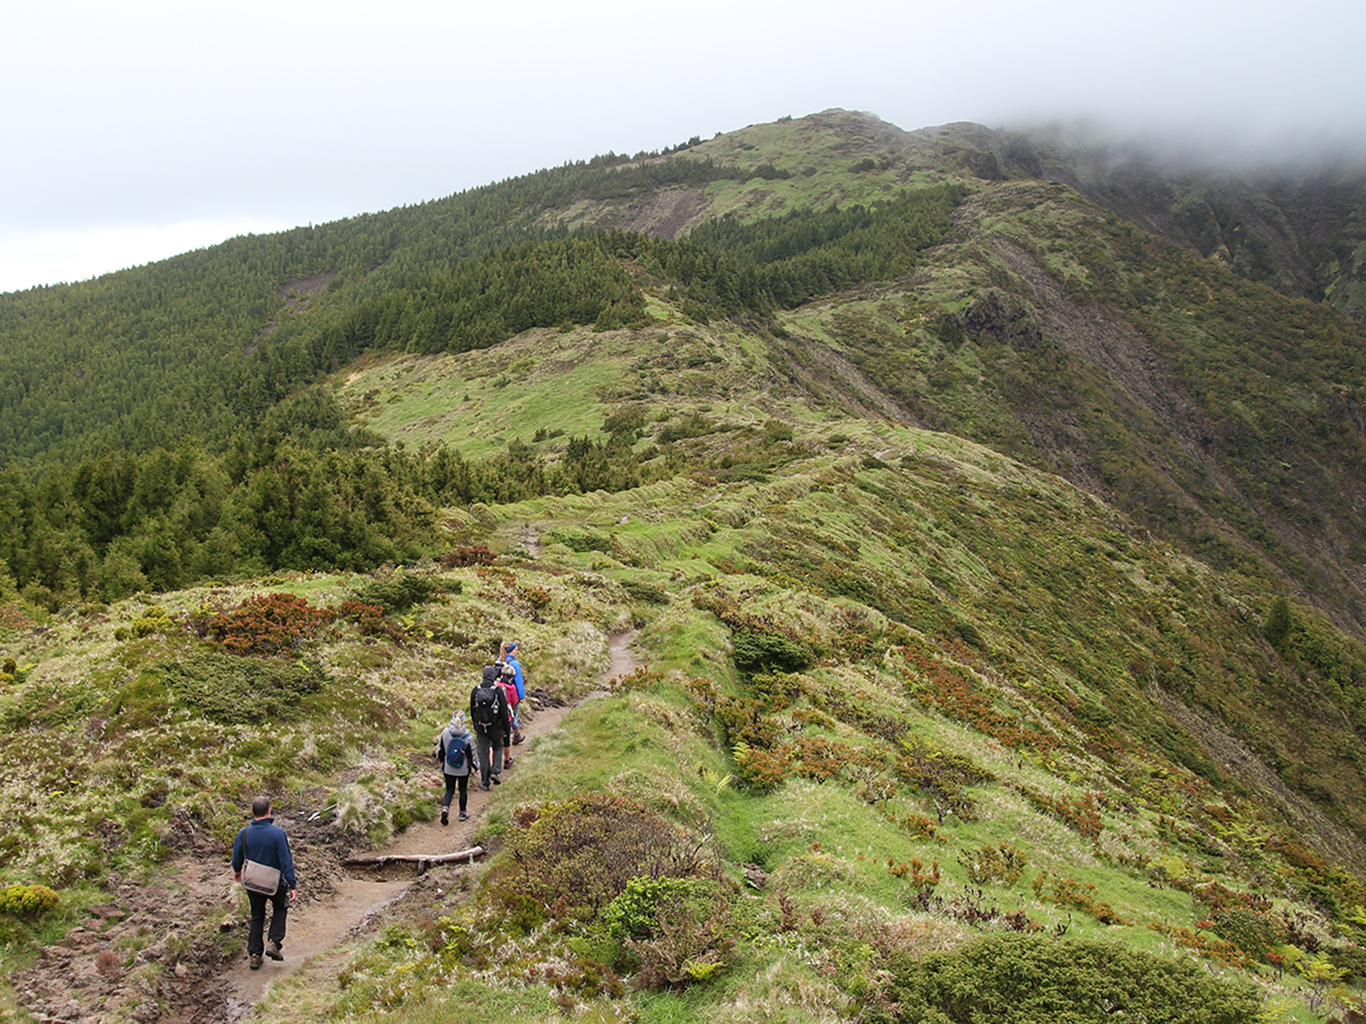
(455, 752)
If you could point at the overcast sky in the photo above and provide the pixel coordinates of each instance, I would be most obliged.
(135, 131)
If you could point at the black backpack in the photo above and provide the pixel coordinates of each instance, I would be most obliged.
(484, 705)
(456, 748)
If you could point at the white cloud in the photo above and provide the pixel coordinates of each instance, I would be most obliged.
(295, 111)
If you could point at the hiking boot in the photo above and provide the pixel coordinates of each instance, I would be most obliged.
(464, 816)
(517, 739)
(256, 961)
(273, 950)
(496, 781)
(445, 815)
(507, 762)
(485, 786)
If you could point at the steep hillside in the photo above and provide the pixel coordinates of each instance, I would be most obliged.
(1300, 227)
(1222, 415)
(992, 562)
(903, 700)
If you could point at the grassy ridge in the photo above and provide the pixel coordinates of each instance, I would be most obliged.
(909, 703)
(922, 696)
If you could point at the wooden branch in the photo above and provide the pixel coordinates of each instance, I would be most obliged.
(423, 861)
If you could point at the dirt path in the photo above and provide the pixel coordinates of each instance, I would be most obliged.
(623, 657)
(360, 897)
(142, 956)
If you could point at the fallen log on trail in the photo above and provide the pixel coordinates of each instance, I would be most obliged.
(422, 860)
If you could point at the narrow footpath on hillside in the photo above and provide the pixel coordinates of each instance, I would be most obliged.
(130, 957)
(357, 903)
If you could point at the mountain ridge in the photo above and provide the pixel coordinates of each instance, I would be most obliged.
(994, 559)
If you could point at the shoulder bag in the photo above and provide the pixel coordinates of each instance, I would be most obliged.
(260, 877)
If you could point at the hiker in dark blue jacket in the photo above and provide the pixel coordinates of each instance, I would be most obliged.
(265, 842)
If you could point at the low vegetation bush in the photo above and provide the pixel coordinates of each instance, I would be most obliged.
(942, 777)
(368, 619)
(1002, 863)
(268, 624)
(634, 913)
(28, 901)
(1030, 979)
(401, 591)
(234, 690)
(581, 542)
(572, 859)
(465, 556)
(756, 651)
(689, 940)
(645, 593)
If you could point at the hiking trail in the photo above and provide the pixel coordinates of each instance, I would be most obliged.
(77, 982)
(362, 894)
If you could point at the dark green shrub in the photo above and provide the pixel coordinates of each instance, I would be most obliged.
(142, 702)
(627, 420)
(645, 593)
(755, 651)
(399, 592)
(581, 542)
(1025, 979)
(1278, 623)
(47, 702)
(967, 632)
(236, 690)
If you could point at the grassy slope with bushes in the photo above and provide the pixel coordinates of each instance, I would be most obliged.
(857, 781)
(910, 704)
(1218, 412)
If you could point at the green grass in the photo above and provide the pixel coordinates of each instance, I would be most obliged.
(878, 569)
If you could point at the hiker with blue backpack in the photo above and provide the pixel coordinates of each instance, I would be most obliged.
(455, 749)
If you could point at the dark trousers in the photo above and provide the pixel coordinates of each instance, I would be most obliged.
(490, 754)
(280, 901)
(452, 781)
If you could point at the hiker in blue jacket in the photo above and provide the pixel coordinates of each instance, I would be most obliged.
(507, 655)
(265, 842)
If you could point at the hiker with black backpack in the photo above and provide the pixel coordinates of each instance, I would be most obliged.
(455, 750)
(488, 714)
